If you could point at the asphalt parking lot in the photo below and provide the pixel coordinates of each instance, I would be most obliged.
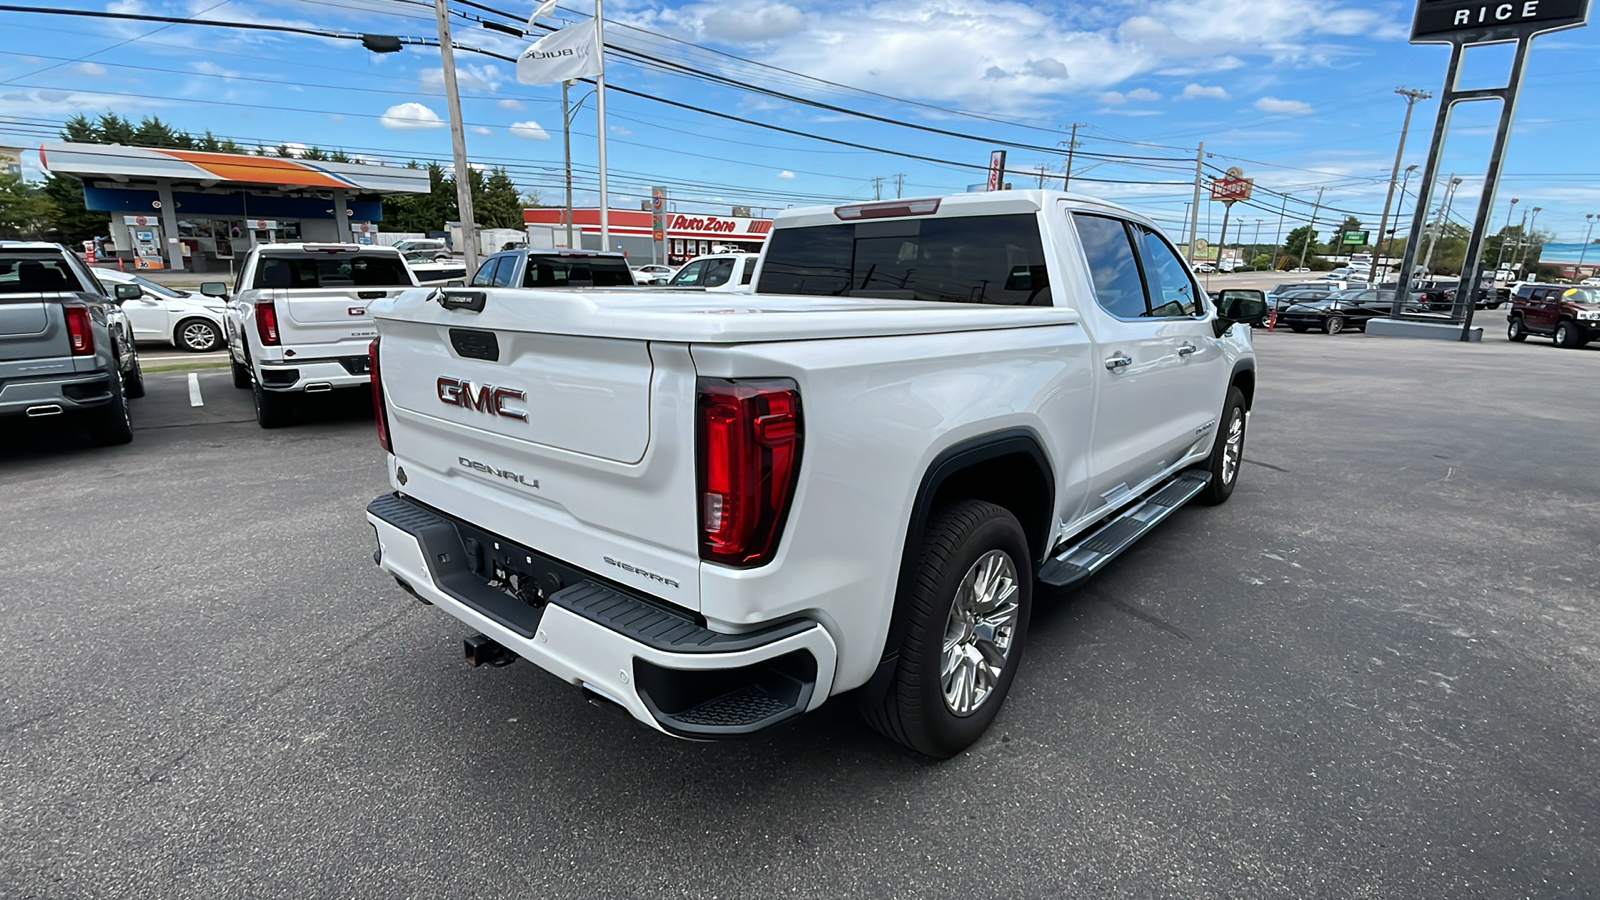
(1374, 673)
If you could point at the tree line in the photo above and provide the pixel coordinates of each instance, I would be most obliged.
(53, 209)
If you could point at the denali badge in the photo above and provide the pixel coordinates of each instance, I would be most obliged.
(498, 473)
(485, 399)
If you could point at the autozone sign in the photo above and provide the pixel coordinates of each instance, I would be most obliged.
(1232, 186)
(710, 224)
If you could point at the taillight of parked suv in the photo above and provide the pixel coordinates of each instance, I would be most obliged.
(380, 410)
(267, 322)
(79, 332)
(748, 452)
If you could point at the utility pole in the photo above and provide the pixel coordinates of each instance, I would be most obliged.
(1439, 223)
(1501, 256)
(1306, 244)
(877, 187)
(900, 183)
(566, 153)
(1412, 96)
(1256, 240)
(1194, 211)
(600, 115)
(1072, 144)
(1277, 238)
(1527, 236)
(1583, 253)
(458, 140)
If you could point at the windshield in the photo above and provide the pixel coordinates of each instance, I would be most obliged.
(967, 259)
(1581, 295)
(161, 289)
(332, 270)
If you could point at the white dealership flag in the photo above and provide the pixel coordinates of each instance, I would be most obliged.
(563, 55)
(542, 10)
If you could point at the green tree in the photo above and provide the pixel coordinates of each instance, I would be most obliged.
(314, 153)
(25, 208)
(1336, 245)
(496, 202)
(1301, 241)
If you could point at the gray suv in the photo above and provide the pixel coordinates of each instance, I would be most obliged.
(65, 345)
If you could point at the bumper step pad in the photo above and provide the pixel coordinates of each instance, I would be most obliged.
(1074, 564)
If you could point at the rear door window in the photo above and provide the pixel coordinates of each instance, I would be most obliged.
(718, 273)
(559, 271)
(1113, 265)
(504, 272)
(968, 259)
(749, 270)
(325, 270)
(484, 277)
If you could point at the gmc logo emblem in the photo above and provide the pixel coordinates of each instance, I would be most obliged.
(356, 310)
(485, 399)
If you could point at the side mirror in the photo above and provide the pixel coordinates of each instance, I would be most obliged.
(457, 282)
(125, 292)
(1249, 308)
(216, 289)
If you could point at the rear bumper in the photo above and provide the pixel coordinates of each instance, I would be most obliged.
(315, 374)
(54, 394)
(660, 664)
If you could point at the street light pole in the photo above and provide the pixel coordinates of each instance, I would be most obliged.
(1439, 223)
(1306, 244)
(1501, 256)
(566, 153)
(1412, 96)
(1583, 253)
(1527, 236)
(458, 140)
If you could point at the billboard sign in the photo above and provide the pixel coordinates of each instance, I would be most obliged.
(997, 170)
(1354, 238)
(1481, 21)
(1232, 186)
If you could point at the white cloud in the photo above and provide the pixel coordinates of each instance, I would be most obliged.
(409, 116)
(89, 68)
(786, 174)
(206, 67)
(1137, 95)
(469, 77)
(1049, 67)
(1274, 105)
(480, 129)
(619, 131)
(1113, 98)
(511, 104)
(1143, 95)
(748, 23)
(1193, 91)
(529, 130)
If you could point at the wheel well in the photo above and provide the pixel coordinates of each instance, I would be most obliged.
(1245, 381)
(1013, 481)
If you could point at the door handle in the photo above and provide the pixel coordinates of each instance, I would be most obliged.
(1185, 349)
(1118, 361)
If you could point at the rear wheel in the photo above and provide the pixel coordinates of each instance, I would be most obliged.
(1333, 324)
(273, 410)
(965, 625)
(109, 425)
(1567, 334)
(1515, 331)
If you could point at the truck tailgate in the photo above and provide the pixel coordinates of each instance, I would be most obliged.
(326, 315)
(32, 329)
(549, 440)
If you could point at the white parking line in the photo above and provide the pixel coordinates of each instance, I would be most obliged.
(194, 390)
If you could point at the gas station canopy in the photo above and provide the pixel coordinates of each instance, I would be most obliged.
(198, 202)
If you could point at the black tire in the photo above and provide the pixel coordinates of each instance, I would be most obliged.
(197, 336)
(1567, 335)
(273, 410)
(1223, 474)
(241, 375)
(1333, 324)
(109, 425)
(133, 382)
(1515, 330)
(914, 711)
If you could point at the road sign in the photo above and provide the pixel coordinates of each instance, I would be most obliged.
(1232, 186)
(1355, 238)
(997, 170)
(1479, 21)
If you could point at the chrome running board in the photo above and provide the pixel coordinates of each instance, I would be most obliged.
(1077, 562)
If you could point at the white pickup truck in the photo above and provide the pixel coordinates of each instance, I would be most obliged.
(719, 511)
(297, 320)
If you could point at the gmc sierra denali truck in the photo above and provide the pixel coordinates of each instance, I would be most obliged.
(65, 345)
(297, 322)
(718, 511)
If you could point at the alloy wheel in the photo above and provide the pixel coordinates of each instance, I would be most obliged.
(1233, 447)
(979, 632)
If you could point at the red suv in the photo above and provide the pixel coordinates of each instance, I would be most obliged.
(1570, 315)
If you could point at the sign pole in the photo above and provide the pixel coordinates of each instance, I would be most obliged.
(1472, 262)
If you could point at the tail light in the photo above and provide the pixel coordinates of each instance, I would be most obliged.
(749, 456)
(267, 322)
(79, 332)
(380, 410)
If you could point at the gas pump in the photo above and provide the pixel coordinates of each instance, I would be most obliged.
(263, 231)
(144, 238)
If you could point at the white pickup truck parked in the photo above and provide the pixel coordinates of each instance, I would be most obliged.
(297, 322)
(720, 511)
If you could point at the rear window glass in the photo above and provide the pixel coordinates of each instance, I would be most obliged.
(969, 259)
(332, 270)
(557, 271)
(28, 275)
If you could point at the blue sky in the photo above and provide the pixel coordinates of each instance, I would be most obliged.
(1298, 94)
